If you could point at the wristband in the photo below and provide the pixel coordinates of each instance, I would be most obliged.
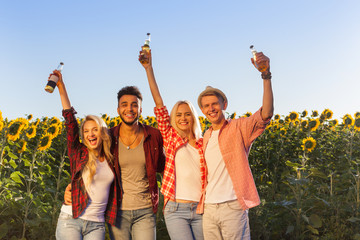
(266, 76)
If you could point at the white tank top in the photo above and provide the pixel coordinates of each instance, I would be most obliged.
(98, 192)
(187, 173)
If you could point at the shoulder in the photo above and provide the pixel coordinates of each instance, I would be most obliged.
(114, 130)
(150, 130)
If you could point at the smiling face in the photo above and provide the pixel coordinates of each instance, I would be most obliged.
(213, 108)
(129, 109)
(184, 119)
(92, 135)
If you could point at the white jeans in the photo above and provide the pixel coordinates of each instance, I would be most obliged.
(225, 221)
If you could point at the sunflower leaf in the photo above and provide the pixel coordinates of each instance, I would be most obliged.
(16, 177)
(318, 173)
(353, 219)
(13, 156)
(315, 221)
(291, 164)
(13, 164)
(313, 230)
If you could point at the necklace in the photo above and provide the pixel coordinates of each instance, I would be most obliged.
(128, 146)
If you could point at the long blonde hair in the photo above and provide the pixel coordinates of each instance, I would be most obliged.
(196, 126)
(105, 145)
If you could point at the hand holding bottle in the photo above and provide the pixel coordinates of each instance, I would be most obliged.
(145, 49)
(145, 58)
(54, 78)
(259, 60)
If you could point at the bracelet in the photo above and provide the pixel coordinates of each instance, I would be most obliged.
(266, 76)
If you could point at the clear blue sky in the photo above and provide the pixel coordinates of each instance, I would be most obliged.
(314, 47)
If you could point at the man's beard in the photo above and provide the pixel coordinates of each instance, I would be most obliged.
(129, 123)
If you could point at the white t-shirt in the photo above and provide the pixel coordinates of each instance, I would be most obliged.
(219, 188)
(187, 173)
(98, 192)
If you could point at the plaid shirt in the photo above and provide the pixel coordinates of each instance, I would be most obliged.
(78, 156)
(172, 142)
(235, 139)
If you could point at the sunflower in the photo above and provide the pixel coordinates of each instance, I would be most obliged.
(314, 124)
(308, 144)
(54, 120)
(1, 125)
(29, 117)
(282, 131)
(1, 118)
(357, 124)
(272, 125)
(304, 123)
(22, 144)
(53, 130)
(232, 116)
(25, 122)
(348, 120)
(277, 117)
(315, 113)
(304, 113)
(118, 120)
(31, 132)
(37, 122)
(334, 123)
(275, 126)
(287, 119)
(153, 119)
(45, 142)
(293, 116)
(356, 115)
(247, 114)
(15, 128)
(112, 123)
(327, 113)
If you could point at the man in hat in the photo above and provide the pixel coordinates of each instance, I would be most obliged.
(231, 189)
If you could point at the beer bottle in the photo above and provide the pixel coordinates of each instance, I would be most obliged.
(53, 79)
(262, 65)
(145, 48)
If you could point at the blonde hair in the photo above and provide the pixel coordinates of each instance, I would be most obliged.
(104, 149)
(196, 126)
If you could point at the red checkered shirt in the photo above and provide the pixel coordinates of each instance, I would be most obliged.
(235, 139)
(172, 142)
(78, 156)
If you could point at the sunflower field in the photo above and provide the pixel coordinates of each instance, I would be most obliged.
(305, 165)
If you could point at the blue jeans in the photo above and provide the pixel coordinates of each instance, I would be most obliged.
(182, 222)
(78, 229)
(134, 224)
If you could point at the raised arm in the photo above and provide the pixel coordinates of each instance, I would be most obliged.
(151, 79)
(268, 99)
(65, 101)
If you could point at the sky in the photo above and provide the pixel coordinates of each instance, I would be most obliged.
(313, 46)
